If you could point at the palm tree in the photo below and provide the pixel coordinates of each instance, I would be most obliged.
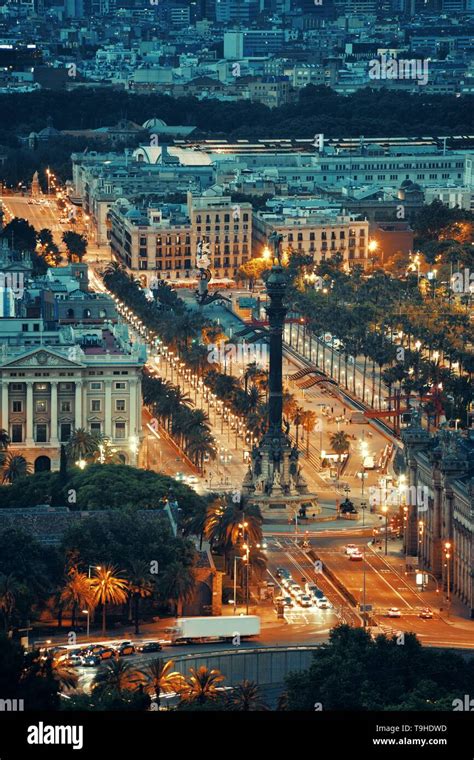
(4, 439)
(10, 589)
(15, 466)
(160, 678)
(107, 587)
(340, 445)
(297, 420)
(116, 676)
(106, 452)
(66, 676)
(202, 685)
(177, 584)
(308, 421)
(82, 445)
(141, 586)
(223, 526)
(76, 593)
(246, 697)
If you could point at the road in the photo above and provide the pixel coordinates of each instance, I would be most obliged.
(387, 587)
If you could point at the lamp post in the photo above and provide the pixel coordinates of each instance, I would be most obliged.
(385, 512)
(89, 568)
(235, 580)
(447, 554)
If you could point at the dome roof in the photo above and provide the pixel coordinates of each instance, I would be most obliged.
(133, 214)
(48, 132)
(150, 123)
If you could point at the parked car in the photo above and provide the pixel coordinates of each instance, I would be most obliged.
(150, 646)
(107, 653)
(305, 600)
(73, 660)
(90, 661)
(323, 603)
(394, 612)
(125, 649)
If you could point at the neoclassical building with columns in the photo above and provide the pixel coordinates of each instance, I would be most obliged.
(442, 534)
(55, 378)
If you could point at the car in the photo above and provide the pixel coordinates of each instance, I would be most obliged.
(192, 479)
(90, 661)
(426, 613)
(107, 653)
(94, 649)
(311, 588)
(280, 572)
(369, 463)
(125, 649)
(72, 660)
(305, 600)
(288, 601)
(349, 548)
(295, 589)
(323, 603)
(356, 556)
(394, 612)
(150, 646)
(287, 582)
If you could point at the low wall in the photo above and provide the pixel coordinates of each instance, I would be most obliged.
(266, 666)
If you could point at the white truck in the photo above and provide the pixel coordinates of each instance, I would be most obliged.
(228, 627)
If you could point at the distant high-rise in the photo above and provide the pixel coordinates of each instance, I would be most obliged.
(74, 8)
(237, 10)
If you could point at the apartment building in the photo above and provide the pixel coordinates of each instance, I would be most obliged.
(100, 179)
(161, 242)
(320, 235)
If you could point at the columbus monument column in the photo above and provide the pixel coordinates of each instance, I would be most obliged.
(274, 480)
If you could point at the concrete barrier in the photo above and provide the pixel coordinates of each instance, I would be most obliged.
(266, 666)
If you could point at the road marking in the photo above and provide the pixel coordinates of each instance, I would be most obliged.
(388, 584)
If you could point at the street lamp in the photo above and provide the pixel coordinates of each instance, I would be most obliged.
(235, 580)
(90, 567)
(385, 512)
(447, 554)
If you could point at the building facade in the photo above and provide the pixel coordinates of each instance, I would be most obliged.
(55, 380)
(161, 243)
(316, 235)
(440, 530)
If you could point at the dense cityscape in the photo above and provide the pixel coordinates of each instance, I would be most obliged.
(236, 362)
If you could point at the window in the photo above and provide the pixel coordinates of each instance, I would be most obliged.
(96, 427)
(120, 385)
(16, 386)
(95, 405)
(17, 406)
(40, 406)
(41, 433)
(40, 387)
(120, 405)
(65, 406)
(95, 386)
(64, 432)
(17, 433)
(120, 430)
